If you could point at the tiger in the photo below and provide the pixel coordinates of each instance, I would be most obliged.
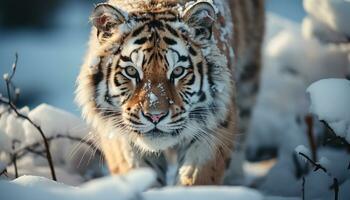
(160, 76)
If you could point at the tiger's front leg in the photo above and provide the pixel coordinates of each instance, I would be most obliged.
(201, 164)
(122, 157)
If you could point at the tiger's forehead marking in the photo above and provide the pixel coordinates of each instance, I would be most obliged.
(158, 42)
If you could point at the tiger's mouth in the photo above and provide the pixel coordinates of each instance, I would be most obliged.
(157, 140)
(156, 133)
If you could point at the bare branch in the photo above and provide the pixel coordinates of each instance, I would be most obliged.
(335, 187)
(303, 188)
(311, 137)
(315, 164)
(318, 166)
(14, 158)
(3, 172)
(8, 80)
(32, 148)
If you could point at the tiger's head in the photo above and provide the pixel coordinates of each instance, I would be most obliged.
(156, 76)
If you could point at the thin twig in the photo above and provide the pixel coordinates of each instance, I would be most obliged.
(14, 158)
(14, 161)
(315, 164)
(311, 136)
(3, 172)
(318, 166)
(8, 80)
(335, 187)
(31, 148)
(303, 188)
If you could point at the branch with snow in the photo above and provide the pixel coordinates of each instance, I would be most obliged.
(304, 152)
(33, 132)
(8, 80)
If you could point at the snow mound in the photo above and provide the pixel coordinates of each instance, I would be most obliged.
(291, 63)
(330, 101)
(301, 149)
(113, 187)
(122, 187)
(203, 193)
(333, 13)
(312, 28)
(53, 121)
(74, 160)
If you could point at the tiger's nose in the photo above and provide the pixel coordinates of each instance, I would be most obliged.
(155, 117)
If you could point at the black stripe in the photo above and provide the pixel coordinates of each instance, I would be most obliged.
(211, 67)
(175, 115)
(183, 98)
(177, 121)
(140, 41)
(200, 71)
(138, 31)
(134, 115)
(125, 58)
(191, 81)
(190, 93)
(169, 41)
(97, 77)
(171, 30)
(116, 81)
(155, 24)
(107, 95)
(202, 96)
(192, 51)
(150, 58)
(182, 59)
(135, 122)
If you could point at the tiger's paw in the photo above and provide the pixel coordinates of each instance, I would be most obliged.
(187, 175)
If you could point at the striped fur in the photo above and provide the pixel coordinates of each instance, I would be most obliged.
(159, 75)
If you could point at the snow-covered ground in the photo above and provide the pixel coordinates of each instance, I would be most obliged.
(297, 53)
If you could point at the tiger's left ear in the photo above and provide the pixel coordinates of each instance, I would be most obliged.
(200, 16)
(105, 17)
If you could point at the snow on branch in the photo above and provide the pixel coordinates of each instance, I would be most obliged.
(303, 152)
(32, 132)
(8, 80)
(330, 102)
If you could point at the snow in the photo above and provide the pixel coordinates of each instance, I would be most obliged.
(330, 100)
(312, 28)
(301, 149)
(153, 99)
(123, 187)
(333, 13)
(75, 162)
(291, 63)
(6, 76)
(113, 187)
(53, 121)
(203, 193)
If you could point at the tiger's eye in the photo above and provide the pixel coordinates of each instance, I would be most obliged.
(178, 71)
(131, 71)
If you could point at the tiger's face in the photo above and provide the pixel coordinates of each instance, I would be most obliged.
(154, 81)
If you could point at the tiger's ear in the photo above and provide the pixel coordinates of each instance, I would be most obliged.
(106, 17)
(200, 16)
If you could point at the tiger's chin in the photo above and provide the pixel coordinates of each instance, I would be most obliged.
(156, 140)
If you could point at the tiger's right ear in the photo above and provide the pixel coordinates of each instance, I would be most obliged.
(106, 17)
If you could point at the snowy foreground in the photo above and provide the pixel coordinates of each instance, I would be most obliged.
(126, 187)
(296, 58)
